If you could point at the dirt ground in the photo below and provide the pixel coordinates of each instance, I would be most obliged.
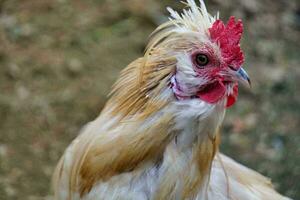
(59, 58)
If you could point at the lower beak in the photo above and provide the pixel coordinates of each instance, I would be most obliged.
(242, 76)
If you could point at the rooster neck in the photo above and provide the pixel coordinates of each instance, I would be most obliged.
(187, 159)
(196, 122)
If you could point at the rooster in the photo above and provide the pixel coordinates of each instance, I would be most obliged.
(158, 135)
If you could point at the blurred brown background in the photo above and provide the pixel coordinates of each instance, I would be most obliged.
(59, 58)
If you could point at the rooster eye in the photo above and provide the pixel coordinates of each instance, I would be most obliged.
(201, 60)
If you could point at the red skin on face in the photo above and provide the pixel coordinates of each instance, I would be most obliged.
(228, 38)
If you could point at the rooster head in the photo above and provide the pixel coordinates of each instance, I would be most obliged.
(207, 52)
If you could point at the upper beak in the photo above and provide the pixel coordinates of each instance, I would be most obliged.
(242, 76)
(239, 75)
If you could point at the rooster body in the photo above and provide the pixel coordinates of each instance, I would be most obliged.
(158, 135)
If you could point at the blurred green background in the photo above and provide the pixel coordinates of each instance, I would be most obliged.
(59, 58)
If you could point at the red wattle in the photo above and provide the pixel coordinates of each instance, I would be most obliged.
(212, 92)
(231, 99)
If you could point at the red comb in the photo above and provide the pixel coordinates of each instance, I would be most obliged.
(228, 37)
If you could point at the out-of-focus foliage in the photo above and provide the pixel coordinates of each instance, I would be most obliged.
(59, 58)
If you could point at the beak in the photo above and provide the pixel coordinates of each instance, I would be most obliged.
(242, 76)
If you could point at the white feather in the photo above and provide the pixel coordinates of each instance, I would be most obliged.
(194, 19)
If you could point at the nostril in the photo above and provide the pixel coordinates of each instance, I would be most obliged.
(232, 68)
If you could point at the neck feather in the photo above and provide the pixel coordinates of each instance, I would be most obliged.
(187, 159)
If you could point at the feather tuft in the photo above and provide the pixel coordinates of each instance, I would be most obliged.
(194, 19)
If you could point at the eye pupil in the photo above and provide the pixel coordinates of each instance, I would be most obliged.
(201, 59)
